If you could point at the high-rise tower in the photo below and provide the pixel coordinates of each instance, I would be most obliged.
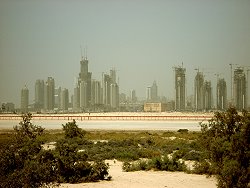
(85, 78)
(239, 89)
(207, 96)
(24, 99)
(148, 94)
(95, 92)
(106, 82)
(110, 90)
(154, 92)
(114, 96)
(39, 94)
(49, 94)
(133, 96)
(221, 94)
(64, 99)
(83, 95)
(198, 91)
(113, 76)
(76, 97)
(180, 88)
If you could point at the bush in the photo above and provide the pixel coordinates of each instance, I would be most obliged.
(157, 163)
(227, 140)
(24, 163)
(73, 166)
(193, 155)
(71, 130)
(183, 131)
(202, 167)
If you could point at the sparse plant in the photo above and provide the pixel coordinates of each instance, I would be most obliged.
(73, 166)
(24, 163)
(157, 163)
(227, 140)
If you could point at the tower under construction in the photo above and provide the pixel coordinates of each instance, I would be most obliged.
(180, 88)
(207, 95)
(239, 89)
(221, 94)
(199, 91)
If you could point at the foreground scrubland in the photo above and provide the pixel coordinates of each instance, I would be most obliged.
(72, 155)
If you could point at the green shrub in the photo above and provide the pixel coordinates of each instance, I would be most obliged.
(156, 163)
(193, 155)
(24, 163)
(71, 130)
(183, 131)
(73, 166)
(227, 140)
(202, 167)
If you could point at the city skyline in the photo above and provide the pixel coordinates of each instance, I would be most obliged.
(90, 94)
(143, 40)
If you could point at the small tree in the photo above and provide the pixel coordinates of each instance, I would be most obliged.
(71, 130)
(226, 139)
(26, 130)
(24, 163)
(72, 164)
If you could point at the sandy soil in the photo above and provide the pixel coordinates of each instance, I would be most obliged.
(148, 179)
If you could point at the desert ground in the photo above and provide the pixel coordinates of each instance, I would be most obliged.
(138, 179)
(148, 179)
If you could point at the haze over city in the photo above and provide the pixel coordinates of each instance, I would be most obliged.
(142, 40)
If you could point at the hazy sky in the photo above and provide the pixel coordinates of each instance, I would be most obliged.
(142, 39)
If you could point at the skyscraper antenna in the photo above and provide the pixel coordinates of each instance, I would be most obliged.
(86, 52)
(81, 52)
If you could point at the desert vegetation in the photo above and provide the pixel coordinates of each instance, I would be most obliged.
(25, 163)
(226, 143)
(221, 149)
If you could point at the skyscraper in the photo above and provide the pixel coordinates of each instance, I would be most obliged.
(133, 96)
(57, 97)
(114, 90)
(154, 92)
(24, 99)
(106, 82)
(76, 98)
(39, 94)
(110, 90)
(221, 94)
(240, 89)
(113, 76)
(180, 88)
(114, 96)
(64, 99)
(95, 92)
(198, 91)
(85, 76)
(148, 94)
(207, 96)
(83, 95)
(49, 94)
